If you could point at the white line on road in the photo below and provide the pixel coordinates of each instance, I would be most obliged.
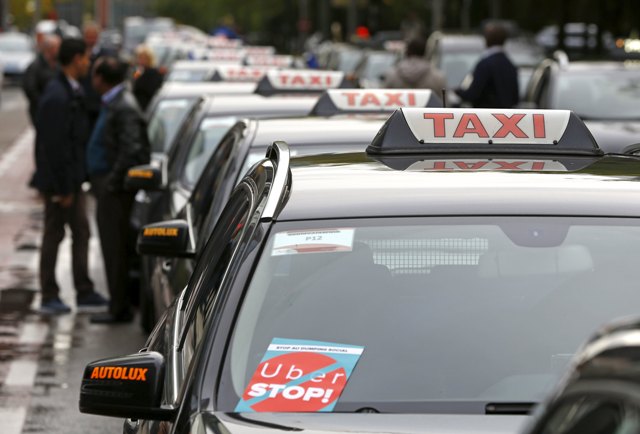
(22, 373)
(12, 419)
(13, 154)
(33, 334)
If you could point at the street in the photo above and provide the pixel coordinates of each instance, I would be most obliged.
(42, 358)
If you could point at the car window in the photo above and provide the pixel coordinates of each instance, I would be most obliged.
(604, 94)
(166, 120)
(205, 281)
(461, 310)
(209, 134)
(594, 414)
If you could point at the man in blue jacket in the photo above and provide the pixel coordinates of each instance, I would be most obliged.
(62, 131)
(495, 78)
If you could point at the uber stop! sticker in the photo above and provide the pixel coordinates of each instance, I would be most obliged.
(299, 376)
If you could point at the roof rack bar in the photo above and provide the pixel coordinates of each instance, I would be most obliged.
(280, 156)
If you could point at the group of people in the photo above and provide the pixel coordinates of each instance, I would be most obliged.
(493, 82)
(89, 129)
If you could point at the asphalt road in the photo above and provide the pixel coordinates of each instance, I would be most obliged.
(42, 358)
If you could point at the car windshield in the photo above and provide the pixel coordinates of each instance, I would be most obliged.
(189, 75)
(211, 131)
(348, 60)
(456, 65)
(444, 310)
(165, 122)
(377, 65)
(599, 95)
(15, 44)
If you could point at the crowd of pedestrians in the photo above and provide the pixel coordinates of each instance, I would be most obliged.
(89, 131)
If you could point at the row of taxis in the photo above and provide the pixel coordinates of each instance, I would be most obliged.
(371, 261)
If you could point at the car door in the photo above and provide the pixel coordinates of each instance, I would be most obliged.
(182, 328)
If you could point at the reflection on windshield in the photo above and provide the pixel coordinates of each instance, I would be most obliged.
(456, 65)
(212, 130)
(166, 121)
(600, 95)
(464, 309)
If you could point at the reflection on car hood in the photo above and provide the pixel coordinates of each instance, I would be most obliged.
(328, 423)
(615, 136)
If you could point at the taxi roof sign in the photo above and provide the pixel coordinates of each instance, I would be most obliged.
(301, 81)
(275, 60)
(337, 101)
(431, 130)
(251, 74)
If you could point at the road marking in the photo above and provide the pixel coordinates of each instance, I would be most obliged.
(22, 373)
(12, 419)
(16, 150)
(33, 334)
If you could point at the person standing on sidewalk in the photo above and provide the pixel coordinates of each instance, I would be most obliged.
(414, 71)
(40, 72)
(118, 142)
(62, 130)
(494, 82)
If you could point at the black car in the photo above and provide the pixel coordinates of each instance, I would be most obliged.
(601, 391)
(328, 130)
(603, 94)
(435, 279)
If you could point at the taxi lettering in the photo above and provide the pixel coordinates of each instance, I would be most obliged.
(119, 373)
(470, 123)
(160, 232)
(386, 99)
(243, 73)
(310, 80)
(536, 166)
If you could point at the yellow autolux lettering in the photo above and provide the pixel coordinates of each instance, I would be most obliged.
(147, 174)
(142, 374)
(160, 232)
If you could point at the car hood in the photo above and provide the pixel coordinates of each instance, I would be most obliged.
(330, 423)
(615, 136)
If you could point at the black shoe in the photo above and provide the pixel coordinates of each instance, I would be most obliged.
(91, 302)
(107, 318)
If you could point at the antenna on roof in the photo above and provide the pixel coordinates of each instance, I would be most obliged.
(444, 98)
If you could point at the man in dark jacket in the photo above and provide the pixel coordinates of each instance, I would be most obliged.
(495, 78)
(118, 142)
(62, 130)
(40, 72)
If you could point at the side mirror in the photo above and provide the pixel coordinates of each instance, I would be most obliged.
(126, 387)
(170, 238)
(147, 177)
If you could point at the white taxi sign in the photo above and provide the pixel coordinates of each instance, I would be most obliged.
(492, 126)
(278, 60)
(259, 50)
(304, 80)
(222, 42)
(378, 99)
(225, 55)
(241, 73)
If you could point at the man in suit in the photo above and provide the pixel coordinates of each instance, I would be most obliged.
(62, 130)
(494, 82)
(118, 142)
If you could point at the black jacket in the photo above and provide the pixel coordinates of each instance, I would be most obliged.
(125, 138)
(93, 99)
(34, 81)
(62, 131)
(494, 85)
(146, 86)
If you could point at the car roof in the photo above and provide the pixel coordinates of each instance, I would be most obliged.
(190, 90)
(252, 104)
(358, 185)
(594, 65)
(337, 130)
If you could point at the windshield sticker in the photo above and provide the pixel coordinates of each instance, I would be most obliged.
(318, 241)
(300, 376)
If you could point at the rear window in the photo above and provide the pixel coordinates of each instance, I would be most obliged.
(450, 313)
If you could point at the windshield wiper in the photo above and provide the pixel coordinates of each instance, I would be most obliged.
(509, 407)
